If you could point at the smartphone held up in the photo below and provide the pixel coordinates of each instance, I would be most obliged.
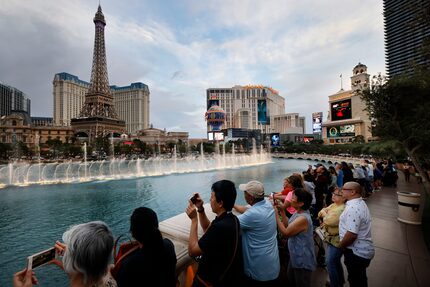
(194, 198)
(40, 258)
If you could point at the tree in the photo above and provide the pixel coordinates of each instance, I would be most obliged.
(358, 139)
(4, 150)
(140, 146)
(399, 110)
(102, 145)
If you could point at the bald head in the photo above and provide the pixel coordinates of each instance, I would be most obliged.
(351, 190)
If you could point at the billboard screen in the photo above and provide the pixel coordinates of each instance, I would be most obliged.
(341, 110)
(262, 112)
(210, 136)
(308, 139)
(218, 136)
(317, 122)
(275, 140)
(341, 131)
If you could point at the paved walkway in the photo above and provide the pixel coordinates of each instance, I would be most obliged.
(402, 258)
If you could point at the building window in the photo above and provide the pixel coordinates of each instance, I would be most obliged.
(14, 123)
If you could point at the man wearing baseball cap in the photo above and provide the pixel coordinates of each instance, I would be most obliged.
(259, 243)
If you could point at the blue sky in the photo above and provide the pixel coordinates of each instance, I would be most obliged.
(181, 48)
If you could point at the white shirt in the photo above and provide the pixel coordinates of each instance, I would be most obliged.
(356, 219)
(310, 186)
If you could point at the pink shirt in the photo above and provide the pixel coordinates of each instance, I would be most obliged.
(290, 209)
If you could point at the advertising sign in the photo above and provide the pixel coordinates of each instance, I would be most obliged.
(308, 139)
(316, 122)
(341, 110)
(341, 131)
(215, 136)
(218, 136)
(262, 112)
(275, 140)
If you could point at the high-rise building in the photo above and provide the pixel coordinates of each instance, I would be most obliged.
(69, 97)
(13, 99)
(291, 123)
(247, 107)
(130, 102)
(407, 30)
(132, 105)
(98, 116)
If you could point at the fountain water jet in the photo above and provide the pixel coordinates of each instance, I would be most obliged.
(19, 173)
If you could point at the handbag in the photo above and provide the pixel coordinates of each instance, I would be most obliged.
(124, 250)
(318, 231)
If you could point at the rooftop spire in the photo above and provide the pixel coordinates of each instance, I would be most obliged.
(99, 17)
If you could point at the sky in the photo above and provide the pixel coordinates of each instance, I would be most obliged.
(180, 48)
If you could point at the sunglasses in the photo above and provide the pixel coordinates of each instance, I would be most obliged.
(337, 194)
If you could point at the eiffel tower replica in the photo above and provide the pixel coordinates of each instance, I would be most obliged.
(98, 117)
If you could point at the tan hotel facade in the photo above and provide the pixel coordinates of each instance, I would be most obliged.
(131, 102)
(347, 117)
(241, 104)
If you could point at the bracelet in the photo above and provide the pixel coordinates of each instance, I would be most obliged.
(201, 210)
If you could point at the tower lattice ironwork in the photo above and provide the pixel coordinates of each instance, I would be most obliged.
(98, 116)
(98, 99)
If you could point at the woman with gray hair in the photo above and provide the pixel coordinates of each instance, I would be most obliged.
(86, 251)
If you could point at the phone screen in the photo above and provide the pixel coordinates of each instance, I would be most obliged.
(41, 258)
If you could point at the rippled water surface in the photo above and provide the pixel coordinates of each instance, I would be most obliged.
(33, 217)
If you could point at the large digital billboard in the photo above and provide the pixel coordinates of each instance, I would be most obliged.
(215, 136)
(341, 131)
(341, 110)
(218, 136)
(262, 112)
(308, 139)
(317, 122)
(275, 140)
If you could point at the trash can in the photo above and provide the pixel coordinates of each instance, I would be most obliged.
(409, 207)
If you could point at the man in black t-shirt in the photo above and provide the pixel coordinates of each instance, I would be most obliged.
(220, 247)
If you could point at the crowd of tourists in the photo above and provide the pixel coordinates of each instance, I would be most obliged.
(267, 241)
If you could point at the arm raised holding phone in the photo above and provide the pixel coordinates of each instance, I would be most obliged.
(197, 202)
(86, 251)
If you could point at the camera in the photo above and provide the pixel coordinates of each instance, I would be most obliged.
(194, 198)
(40, 258)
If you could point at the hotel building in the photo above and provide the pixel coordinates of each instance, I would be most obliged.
(407, 30)
(19, 127)
(291, 123)
(13, 99)
(347, 117)
(131, 102)
(247, 107)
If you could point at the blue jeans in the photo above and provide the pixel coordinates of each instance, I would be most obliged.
(334, 266)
